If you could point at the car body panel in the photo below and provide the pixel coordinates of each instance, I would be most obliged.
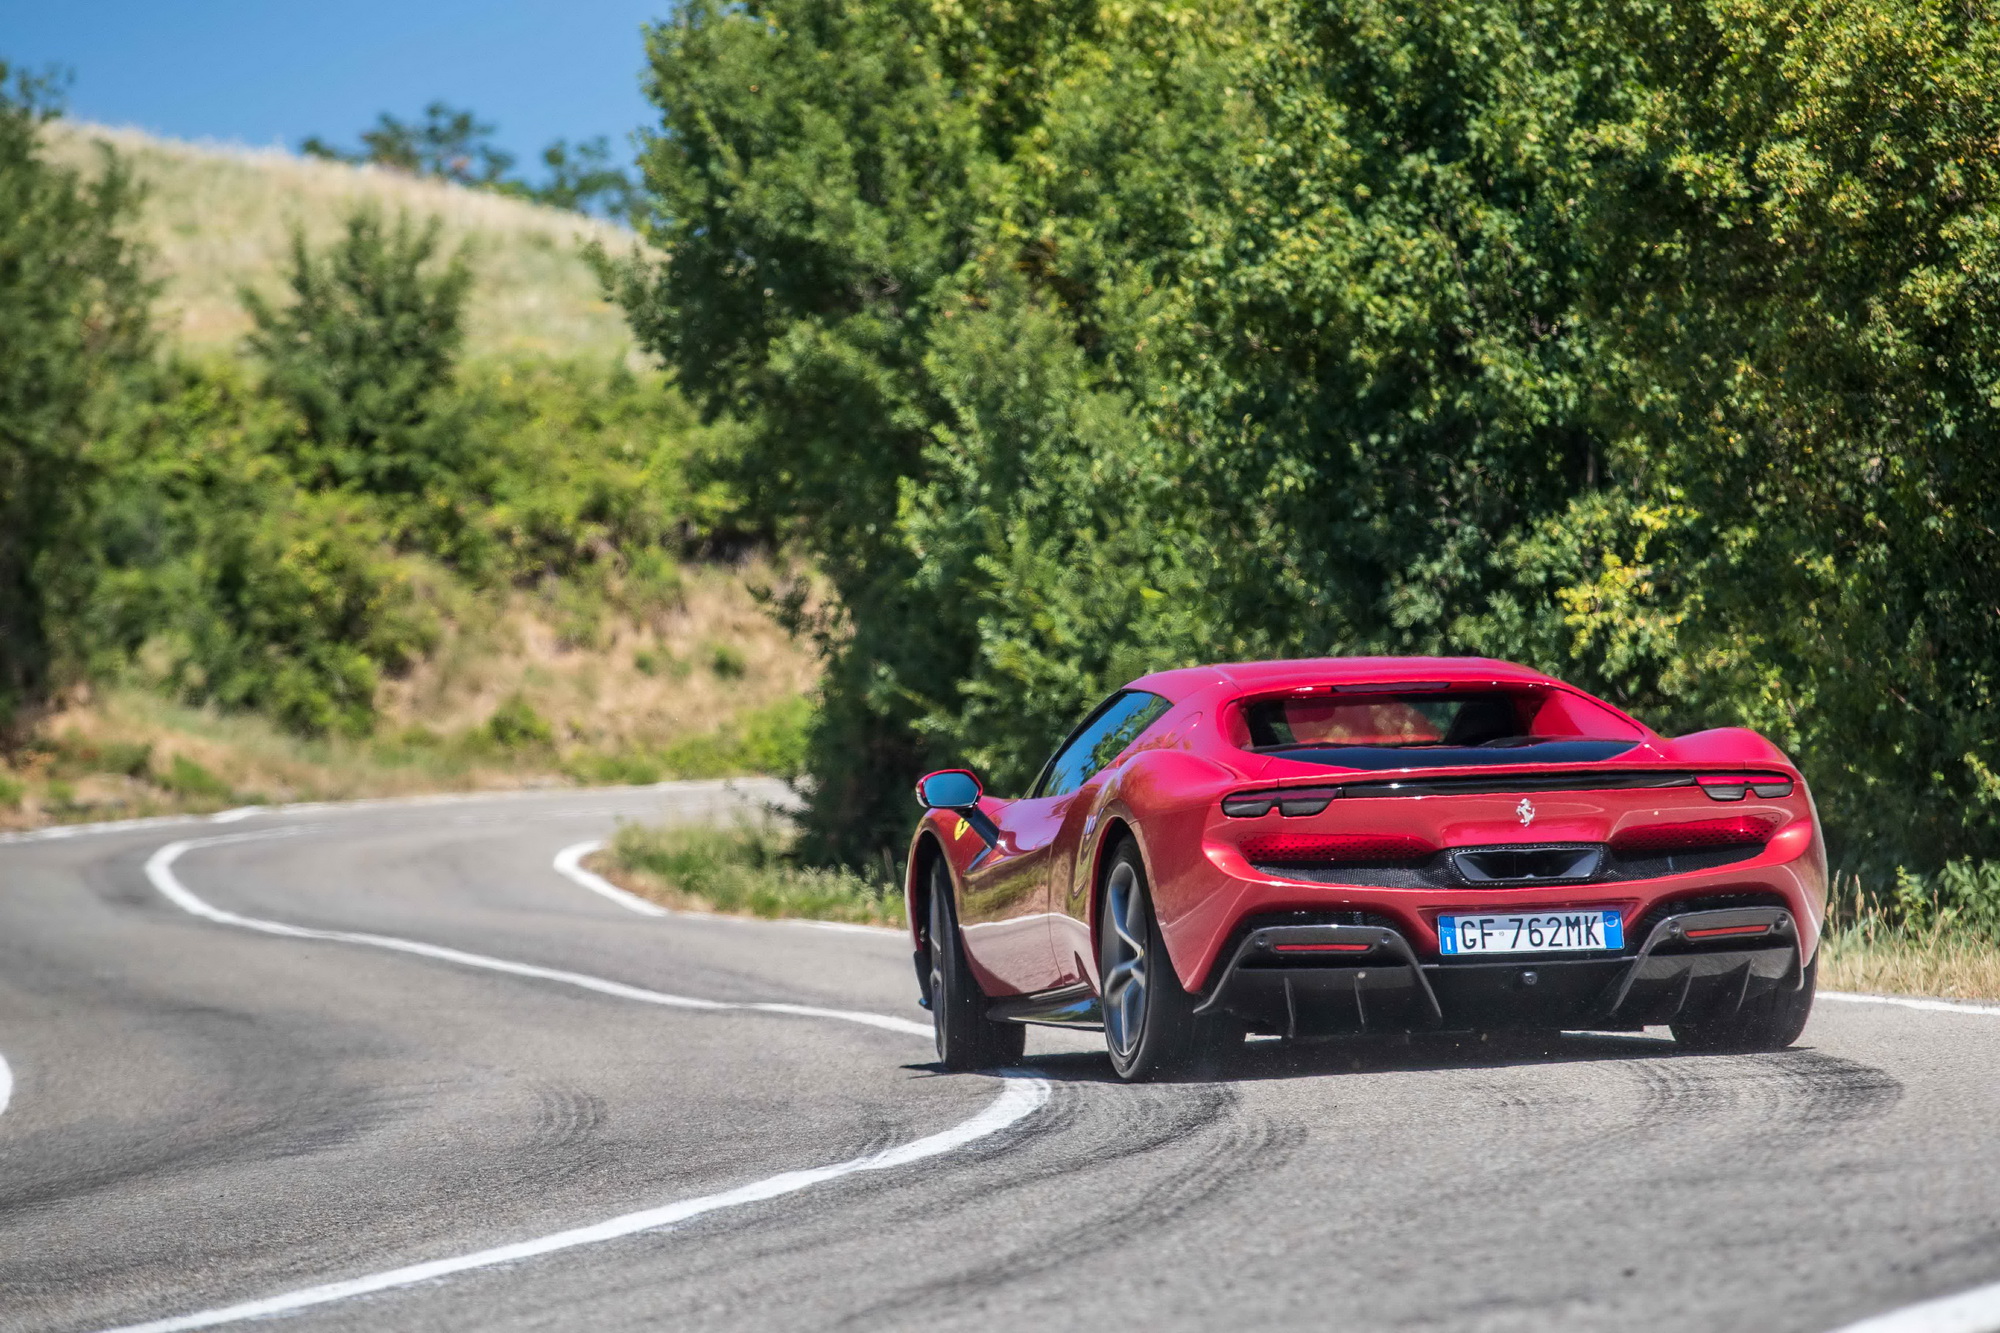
(1029, 905)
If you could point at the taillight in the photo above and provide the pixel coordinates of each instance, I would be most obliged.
(1693, 836)
(1290, 801)
(1735, 786)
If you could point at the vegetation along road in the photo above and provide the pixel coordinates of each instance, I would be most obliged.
(385, 1065)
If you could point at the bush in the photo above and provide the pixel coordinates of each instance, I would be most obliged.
(515, 725)
(224, 581)
(12, 789)
(186, 778)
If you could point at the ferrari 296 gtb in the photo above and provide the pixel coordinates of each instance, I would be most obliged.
(1367, 845)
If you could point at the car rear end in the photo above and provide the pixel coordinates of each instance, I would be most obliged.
(1411, 858)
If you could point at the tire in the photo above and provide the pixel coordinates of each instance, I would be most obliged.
(1769, 1023)
(1150, 1028)
(966, 1038)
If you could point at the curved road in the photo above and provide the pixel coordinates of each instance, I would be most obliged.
(205, 1114)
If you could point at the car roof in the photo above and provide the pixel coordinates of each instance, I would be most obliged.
(1288, 673)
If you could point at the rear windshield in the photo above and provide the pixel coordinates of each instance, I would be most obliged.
(1433, 729)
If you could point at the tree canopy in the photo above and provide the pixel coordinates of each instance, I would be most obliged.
(1651, 342)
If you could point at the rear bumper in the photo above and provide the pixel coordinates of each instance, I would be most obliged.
(1310, 980)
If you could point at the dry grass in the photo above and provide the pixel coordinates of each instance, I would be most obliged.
(1891, 963)
(619, 682)
(219, 217)
(124, 752)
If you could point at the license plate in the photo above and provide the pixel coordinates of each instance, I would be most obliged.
(1531, 932)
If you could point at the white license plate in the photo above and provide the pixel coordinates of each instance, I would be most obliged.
(1531, 932)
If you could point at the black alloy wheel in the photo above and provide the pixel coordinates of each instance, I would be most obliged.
(966, 1037)
(1770, 1022)
(1150, 1027)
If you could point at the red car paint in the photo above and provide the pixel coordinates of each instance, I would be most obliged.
(1029, 905)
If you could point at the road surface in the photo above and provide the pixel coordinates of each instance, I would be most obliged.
(368, 1038)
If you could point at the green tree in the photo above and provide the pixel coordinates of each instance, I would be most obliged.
(1649, 341)
(450, 143)
(366, 352)
(73, 330)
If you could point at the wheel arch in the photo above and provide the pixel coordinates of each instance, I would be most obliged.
(925, 852)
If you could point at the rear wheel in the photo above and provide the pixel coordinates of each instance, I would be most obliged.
(1770, 1022)
(966, 1037)
(1150, 1027)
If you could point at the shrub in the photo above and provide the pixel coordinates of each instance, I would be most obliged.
(727, 661)
(515, 725)
(186, 778)
(12, 789)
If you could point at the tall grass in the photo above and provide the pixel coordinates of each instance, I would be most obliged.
(1924, 936)
(747, 870)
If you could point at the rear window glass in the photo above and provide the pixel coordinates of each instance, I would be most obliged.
(1455, 727)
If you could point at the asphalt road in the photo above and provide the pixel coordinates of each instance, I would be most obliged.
(205, 1114)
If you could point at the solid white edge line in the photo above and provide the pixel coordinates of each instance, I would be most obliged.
(1021, 1096)
(160, 873)
(6, 1083)
(569, 864)
(1912, 1002)
(1975, 1311)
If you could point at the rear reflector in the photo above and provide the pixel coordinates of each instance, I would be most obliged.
(1692, 836)
(1305, 848)
(1322, 948)
(1714, 932)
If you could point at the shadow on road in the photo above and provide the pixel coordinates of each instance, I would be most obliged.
(1271, 1059)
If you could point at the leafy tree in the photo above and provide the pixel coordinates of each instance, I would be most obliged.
(453, 144)
(73, 329)
(450, 143)
(1649, 341)
(366, 353)
(580, 178)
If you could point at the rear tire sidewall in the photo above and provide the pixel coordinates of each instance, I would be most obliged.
(1770, 1023)
(1172, 1039)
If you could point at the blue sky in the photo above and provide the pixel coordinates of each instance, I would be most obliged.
(274, 72)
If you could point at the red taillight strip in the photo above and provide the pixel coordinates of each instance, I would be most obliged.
(1713, 931)
(1322, 948)
(1692, 835)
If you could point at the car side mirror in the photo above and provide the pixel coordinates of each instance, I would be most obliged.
(957, 790)
(949, 789)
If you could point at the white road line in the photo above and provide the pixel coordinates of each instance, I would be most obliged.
(1975, 1311)
(159, 871)
(6, 1083)
(569, 864)
(1911, 1002)
(1021, 1096)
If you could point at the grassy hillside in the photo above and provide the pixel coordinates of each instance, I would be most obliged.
(219, 217)
(581, 649)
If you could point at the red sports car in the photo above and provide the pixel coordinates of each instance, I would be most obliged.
(1358, 845)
